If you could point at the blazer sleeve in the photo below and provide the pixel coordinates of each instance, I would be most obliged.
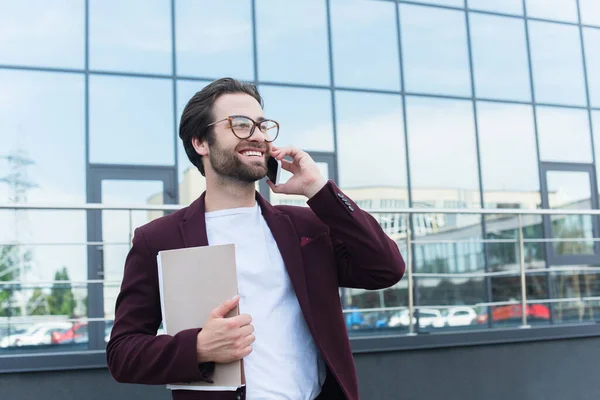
(366, 257)
(134, 353)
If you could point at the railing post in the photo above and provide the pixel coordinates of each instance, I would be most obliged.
(409, 269)
(130, 228)
(523, 277)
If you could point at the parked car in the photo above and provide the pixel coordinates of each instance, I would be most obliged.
(461, 316)
(513, 313)
(78, 333)
(36, 335)
(428, 317)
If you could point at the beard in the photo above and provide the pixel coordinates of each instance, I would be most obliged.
(228, 164)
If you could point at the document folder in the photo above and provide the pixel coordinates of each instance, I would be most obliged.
(193, 281)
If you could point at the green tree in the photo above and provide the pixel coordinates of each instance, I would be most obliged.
(10, 270)
(37, 303)
(61, 300)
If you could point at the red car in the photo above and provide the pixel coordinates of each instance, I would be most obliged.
(77, 334)
(514, 312)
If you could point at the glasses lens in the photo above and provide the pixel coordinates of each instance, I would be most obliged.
(270, 129)
(242, 127)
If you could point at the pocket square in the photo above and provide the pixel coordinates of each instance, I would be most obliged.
(305, 240)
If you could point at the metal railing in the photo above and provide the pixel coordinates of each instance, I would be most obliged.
(407, 237)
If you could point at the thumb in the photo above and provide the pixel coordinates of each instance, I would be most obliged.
(223, 309)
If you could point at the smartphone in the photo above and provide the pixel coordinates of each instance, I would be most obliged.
(274, 170)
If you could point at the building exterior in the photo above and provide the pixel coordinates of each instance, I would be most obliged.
(421, 104)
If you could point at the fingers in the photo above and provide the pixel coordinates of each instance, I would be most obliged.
(240, 320)
(293, 152)
(223, 309)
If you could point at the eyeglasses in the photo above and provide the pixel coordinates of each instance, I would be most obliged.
(243, 127)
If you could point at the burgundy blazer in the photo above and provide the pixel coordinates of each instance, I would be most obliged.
(328, 245)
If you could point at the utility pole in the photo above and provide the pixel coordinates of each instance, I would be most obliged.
(19, 184)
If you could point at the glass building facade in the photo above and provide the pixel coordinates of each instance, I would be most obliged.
(443, 104)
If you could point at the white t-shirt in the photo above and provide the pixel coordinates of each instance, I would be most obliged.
(285, 362)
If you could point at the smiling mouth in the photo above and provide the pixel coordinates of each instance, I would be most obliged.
(253, 154)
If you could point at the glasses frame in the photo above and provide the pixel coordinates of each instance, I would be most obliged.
(254, 125)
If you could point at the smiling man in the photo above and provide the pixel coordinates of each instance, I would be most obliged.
(290, 263)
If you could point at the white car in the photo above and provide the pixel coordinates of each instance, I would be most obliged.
(461, 316)
(427, 317)
(36, 335)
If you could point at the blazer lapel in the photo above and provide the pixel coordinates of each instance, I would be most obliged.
(193, 227)
(286, 238)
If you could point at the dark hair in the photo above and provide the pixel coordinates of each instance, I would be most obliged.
(197, 114)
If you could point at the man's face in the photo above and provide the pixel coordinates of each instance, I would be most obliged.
(241, 159)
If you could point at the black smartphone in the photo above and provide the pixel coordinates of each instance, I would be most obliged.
(274, 170)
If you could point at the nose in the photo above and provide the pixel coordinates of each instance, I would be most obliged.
(257, 136)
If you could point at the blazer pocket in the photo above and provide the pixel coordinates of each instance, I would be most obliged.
(308, 242)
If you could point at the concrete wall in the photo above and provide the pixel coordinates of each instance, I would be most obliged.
(560, 369)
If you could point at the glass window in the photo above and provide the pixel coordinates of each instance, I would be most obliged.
(508, 182)
(51, 35)
(438, 130)
(564, 135)
(43, 155)
(590, 12)
(557, 64)
(434, 47)
(308, 124)
(117, 231)
(131, 120)
(577, 285)
(365, 45)
(596, 130)
(132, 36)
(51, 249)
(559, 10)
(292, 41)
(502, 6)
(570, 190)
(214, 38)
(500, 57)
(449, 3)
(371, 150)
(187, 172)
(591, 39)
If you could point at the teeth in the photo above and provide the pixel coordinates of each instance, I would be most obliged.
(252, 153)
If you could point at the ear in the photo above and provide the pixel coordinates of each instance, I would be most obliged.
(201, 146)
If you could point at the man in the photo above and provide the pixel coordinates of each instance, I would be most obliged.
(290, 263)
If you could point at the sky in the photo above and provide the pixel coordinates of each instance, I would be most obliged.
(133, 120)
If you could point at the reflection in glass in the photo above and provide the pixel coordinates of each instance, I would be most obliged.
(365, 45)
(596, 128)
(576, 286)
(591, 40)
(292, 41)
(130, 114)
(449, 3)
(371, 154)
(508, 289)
(502, 6)
(307, 124)
(292, 199)
(51, 144)
(117, 230)
(559, 10)
(439, 130)
(511, 182)
(564, 135)
(590, 12)
(214, 39)
(46, 36)
(500, 57)
(570, 190)
(434, 47)
(186, 89)
(557, 64)
(50, 268)
(503, 250)
(132, 36)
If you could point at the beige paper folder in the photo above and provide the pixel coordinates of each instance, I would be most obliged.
(193, 281)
